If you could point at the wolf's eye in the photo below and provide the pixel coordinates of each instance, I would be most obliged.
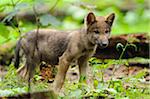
(96, 31)
(107, 31)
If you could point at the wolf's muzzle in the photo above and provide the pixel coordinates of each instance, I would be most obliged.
(102, 44)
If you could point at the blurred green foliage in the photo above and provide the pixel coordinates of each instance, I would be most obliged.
(132, 16)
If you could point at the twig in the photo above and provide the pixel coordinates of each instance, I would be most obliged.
(51, 9)
(16, 18)
(37, 29)
(36, 42)
(13, 4)
(35, 47)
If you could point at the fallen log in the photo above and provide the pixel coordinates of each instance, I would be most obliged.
(139, 64)
(141, 41)
(30, 15)
(6, 53)
(36, 95)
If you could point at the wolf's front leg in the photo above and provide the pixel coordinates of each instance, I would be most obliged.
(61, 74)
(85, 70)
(82, 62)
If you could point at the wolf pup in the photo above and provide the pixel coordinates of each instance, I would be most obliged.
(64, 47)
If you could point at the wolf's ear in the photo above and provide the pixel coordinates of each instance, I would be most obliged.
(110, 19)
(90, 18)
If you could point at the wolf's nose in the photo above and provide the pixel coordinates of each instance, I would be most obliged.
(104, 44)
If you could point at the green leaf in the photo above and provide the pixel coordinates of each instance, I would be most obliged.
(48, 19)
(133, 45)
(37, 77)
(4, 31)
(21, 6)
(112, 90)
(6, 92)
(10, 15)
(76, 93)
(82, 78)
(141, 74)
(119, 45)
(95, 83)
(1, 8)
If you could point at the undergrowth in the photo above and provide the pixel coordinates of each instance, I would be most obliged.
(11, 84)
(137, 87)
(112, 88)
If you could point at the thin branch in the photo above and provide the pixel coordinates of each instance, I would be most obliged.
(38, 26)
(51, 9)
(13, 4)
(36, 40)
(17, 1)
(16, 18)
(35, 46)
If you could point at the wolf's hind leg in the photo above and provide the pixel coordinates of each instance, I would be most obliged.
(27, 70)
(22, 71)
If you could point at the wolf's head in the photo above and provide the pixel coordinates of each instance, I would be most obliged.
(99, 28)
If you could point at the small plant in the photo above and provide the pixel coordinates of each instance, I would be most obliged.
(124, 48)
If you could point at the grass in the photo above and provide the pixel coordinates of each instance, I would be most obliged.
(11, 84)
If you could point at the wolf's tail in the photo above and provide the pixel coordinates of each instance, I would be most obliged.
(23, 70)
(17, 56)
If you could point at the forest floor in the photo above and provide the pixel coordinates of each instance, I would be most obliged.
(108, 82)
